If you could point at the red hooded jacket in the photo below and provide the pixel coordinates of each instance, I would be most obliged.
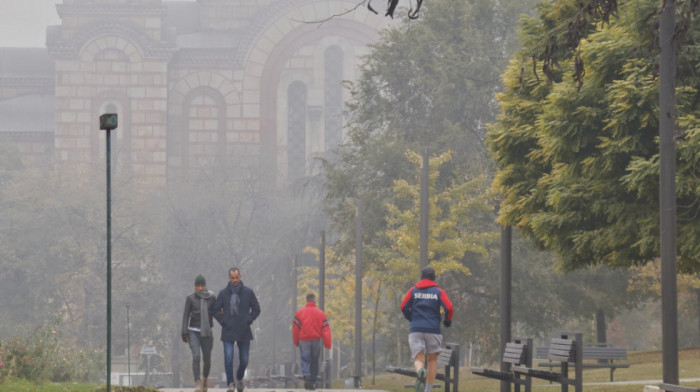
(310, 323)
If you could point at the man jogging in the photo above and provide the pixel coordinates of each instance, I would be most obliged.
(310, 326)
(421, 307)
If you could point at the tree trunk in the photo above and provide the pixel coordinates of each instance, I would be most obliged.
(600, 327)
(398, 344)
(697, 338)
(601, 331)
(374, 334)
(469, 356)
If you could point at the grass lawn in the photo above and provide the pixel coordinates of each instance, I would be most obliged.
(27, 386)
(643, 366)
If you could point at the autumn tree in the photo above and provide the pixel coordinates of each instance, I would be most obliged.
(578, 163)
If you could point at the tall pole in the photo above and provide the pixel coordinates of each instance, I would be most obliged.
(667, 192)
(322, 303)
(274, 322)
(295, 294)
(128, 345)
(358, 296)
(108, 122)
(109, 260)
(322, 273)
(424, 209)
(506, 279)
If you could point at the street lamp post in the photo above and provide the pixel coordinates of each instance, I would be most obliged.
(424, 209)
(358, 297)
(108, 122)
(667, 192)
(128, 345)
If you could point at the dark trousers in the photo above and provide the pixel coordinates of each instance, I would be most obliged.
(199, 344)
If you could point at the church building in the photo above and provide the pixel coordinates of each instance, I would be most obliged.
(253, 83)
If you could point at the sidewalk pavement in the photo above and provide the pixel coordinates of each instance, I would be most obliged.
(652, 383)
(640, 382)
(270, 390)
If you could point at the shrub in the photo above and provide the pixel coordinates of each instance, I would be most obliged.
(3, 368)
(39, 357)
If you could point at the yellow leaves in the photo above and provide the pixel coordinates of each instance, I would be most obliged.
(646, 279)
(452, 233)
(340, 292)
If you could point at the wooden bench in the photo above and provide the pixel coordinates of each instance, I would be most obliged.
(603, 355)
(677, 388)
(566, 350)
(286, 375)
(517, 353)
(448, 360)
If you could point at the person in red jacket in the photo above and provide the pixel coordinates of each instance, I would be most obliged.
(310, 326)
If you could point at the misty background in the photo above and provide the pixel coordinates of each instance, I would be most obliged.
(242, 156)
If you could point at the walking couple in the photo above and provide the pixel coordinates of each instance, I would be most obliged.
(234, 308)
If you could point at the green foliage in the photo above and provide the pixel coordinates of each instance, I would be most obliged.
(428, 83)
(578, 164)
(452, 231)
(28, 386)
(43, 356)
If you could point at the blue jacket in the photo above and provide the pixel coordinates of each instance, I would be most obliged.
(421, 306)
(236, 327)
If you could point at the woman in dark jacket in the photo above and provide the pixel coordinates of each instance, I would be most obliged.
(197, 322)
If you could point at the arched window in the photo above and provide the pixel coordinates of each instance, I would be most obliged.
(201, 137)
(333, 97)
(296, 130)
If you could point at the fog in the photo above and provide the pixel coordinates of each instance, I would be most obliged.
(212, 165)
(228, 111)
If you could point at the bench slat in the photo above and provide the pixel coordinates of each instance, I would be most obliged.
(593, 352)
(543, 374)
(497, 374)
(444, 357)
(677, 388)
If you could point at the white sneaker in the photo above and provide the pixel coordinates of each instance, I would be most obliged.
(231, 387)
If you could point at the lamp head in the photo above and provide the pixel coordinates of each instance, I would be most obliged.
(108, 121)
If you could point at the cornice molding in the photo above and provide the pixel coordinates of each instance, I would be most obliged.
(217, 58)
(109, 9)
(26, 81)
(151, 49)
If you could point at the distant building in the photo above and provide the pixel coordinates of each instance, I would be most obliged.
(255, 83)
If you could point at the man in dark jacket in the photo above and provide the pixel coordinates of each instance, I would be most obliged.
(236, 307)
(421, 307)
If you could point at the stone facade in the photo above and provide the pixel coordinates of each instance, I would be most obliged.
(255, 83)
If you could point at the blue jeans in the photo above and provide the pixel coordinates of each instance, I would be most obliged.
(243, 351)
(198, 343)
(310, 353)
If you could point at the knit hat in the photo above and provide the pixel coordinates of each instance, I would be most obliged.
(200, 281)
(427, 273)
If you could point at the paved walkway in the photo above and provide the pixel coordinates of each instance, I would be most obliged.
(633, 382)
(640, 382)
(269, 390)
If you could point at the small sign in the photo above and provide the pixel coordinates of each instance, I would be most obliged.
(148, 350)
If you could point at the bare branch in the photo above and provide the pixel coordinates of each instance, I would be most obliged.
(324, 20)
